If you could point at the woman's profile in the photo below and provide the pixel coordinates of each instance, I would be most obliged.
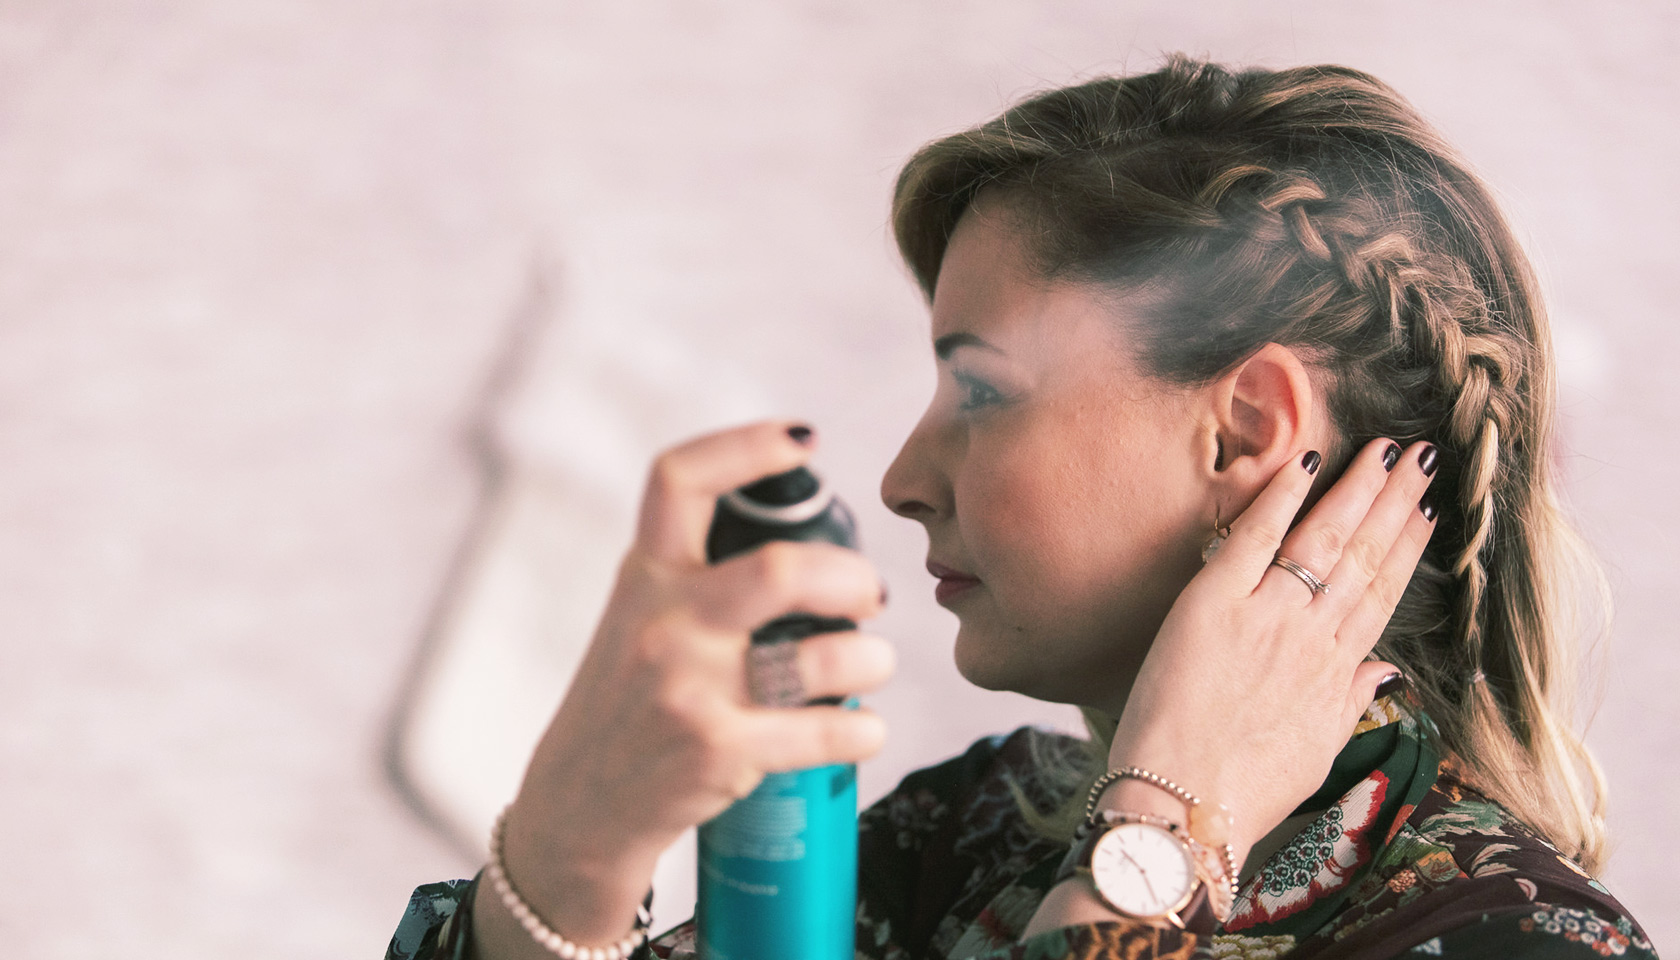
(1242, 443)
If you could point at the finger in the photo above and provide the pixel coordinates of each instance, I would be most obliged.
(1317, 542)
(685, 482)
(843, 664)
(1371, 680)
(1256, 534)
(1363, 626)
(747, 591)
(1368, 548)
(813, 737)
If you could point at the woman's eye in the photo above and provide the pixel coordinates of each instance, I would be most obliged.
(976, 393)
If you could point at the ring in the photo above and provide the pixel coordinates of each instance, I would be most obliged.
(1314, 584)
(773, 674)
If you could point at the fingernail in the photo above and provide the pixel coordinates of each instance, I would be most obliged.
(1426, 460)
(1427, 506)
(1311, 461)
(1391, 456)
(800, 434)
(1391, 684)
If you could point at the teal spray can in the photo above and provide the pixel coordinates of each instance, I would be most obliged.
(778, 868)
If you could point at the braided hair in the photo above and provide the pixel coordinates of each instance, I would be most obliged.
(1314, 208)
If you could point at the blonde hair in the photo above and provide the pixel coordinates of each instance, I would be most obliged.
(1314, 208)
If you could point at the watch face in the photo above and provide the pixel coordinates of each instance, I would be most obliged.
(1143, 870)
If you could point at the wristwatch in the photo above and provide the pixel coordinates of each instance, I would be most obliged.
(1140, 866)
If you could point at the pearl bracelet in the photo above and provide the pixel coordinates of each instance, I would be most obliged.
(542, 933)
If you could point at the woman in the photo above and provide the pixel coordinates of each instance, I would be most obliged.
(1241, 443)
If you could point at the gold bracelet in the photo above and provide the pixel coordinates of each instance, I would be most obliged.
(541, 932)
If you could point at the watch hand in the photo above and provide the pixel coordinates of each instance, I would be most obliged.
(1128, 856)
(1142, 873)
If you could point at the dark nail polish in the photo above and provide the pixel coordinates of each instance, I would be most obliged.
(1426, 460)
(1311, 461)
(1391, 456)
(801, 434)
(1393, 683)
(1427, 506)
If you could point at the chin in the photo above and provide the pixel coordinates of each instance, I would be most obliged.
(993, 663)
(978, 661)
(1015, 664)
(984, 678)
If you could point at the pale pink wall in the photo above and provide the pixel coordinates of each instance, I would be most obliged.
(256, 259)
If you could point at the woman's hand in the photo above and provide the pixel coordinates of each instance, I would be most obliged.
(656, 733)
(1255, 682)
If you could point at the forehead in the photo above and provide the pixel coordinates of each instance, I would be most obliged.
(988, 288)
(985, 260)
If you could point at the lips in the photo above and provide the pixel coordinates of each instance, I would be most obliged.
(951, 582)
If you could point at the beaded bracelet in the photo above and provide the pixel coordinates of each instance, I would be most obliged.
(541, 932)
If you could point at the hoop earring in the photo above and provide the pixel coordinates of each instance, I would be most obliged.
(1220, 535)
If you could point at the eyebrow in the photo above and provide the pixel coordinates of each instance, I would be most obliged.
(946, 345)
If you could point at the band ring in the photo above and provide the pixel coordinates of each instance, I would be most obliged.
(773, 674)
(1314, 584)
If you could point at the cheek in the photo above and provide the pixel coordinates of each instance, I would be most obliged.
(1036, 509)
(1078, 518)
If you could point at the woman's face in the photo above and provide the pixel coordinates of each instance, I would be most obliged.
(1064, 492)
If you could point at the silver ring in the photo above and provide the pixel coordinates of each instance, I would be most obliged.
(1314, 584)
(773, 674)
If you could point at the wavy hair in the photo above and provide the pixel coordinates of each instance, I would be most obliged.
(1314, 208)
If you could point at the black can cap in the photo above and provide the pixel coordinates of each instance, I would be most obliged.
(783, 489)
(795, 505)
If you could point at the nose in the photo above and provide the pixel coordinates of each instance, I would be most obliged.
(915, 486)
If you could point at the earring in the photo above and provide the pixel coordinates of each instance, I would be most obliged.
(1220, 534)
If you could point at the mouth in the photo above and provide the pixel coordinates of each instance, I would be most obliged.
(951, 582)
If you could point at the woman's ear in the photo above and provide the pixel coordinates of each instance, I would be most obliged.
(1267, 410)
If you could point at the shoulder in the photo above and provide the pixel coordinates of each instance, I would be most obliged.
(1021, 755)
(1488, 843)
(1460, 875)
(976, 790)
(933, 851)
(1543, 931)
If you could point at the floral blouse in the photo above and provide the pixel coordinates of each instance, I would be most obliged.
(1406, 859)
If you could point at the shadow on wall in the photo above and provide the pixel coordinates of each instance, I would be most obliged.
(536, 564)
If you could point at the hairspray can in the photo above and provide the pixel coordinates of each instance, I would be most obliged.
(778, 868)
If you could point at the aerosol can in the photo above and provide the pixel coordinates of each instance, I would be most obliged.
(778, 868)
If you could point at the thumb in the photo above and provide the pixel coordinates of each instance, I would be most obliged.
(1372, 680)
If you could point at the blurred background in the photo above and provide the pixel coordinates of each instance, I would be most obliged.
(334, 337)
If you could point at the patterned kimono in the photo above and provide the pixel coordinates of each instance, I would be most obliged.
(1405, 859)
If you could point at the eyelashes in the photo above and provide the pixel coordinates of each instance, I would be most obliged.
(975, 392)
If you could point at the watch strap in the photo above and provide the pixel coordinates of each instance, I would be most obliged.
(1079, 853)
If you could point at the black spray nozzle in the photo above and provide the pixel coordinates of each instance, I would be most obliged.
(783, 489)
(794, 505)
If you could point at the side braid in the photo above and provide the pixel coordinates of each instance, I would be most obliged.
(1431, 315)
(1425, 311)
(1435, 318)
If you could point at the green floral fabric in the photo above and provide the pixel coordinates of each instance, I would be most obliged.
(1405, 860)
(437, 924)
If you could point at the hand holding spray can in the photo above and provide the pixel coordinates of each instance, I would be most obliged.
(778, 869)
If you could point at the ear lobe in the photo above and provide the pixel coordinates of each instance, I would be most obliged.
(1269, 404)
